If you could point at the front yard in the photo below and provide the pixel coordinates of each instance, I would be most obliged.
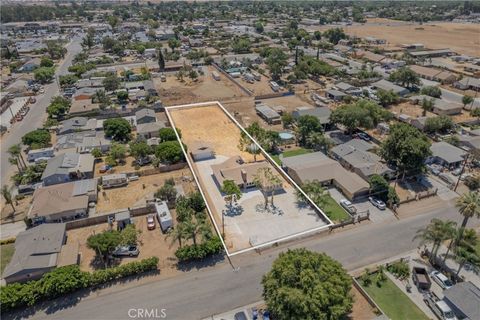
(7, 251)
(395, 304)
(333, 210)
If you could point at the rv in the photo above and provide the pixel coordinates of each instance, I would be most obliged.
(163, 215)
(114, 180)
(215, 76)
(275, 87)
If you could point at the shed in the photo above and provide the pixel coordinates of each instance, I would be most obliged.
(268, 114)
(123, 219)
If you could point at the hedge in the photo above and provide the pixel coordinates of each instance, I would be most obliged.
(199, 251)
(66, 280)
(7, 241)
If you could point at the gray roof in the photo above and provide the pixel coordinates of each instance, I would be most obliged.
(447, 152)
(322, 113)
(387, 85)
(150, 127)
(465, 296)
(144, 113)
(36, 248)
(68, 162)
(336, 93)
(81, 187)
(76, 124)
(267, 112)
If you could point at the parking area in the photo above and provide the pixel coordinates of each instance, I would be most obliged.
(376, 215)
(151, 243)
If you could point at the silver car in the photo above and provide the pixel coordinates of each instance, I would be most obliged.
(377, 203)
(130, 251)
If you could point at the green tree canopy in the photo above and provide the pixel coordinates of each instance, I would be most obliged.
(405, 77)
(140, 149)
(46, 62)
(363, 113)
(118, 129)
(431, 91)
(307, 285)
(387, 98)
(111, 82)
(334, 35)
(169, 152)
(37, 139)
(44, 74)
(168, 134)
(104, 244)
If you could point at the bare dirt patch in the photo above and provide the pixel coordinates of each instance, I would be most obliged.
(22, 206)
(362, 310)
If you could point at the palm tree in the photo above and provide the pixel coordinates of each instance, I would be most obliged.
(427, 105)
(266, 181)
(177, 234)
(318, 141)
(7, 196)
(466, 255)
(16, 152)
(436, 232)
(469, 206)
(192, 228)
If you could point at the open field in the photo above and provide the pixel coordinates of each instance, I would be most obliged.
(395, 304)
(136, 192)
(205, 88)
(151, 243)
(7, 251)
(460, 37)
(245, 221)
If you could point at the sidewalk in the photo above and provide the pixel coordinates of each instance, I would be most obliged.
(11, 230)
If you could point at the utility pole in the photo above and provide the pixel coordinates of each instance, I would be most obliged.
(461, 172)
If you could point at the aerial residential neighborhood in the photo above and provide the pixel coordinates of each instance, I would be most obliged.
(240, 160)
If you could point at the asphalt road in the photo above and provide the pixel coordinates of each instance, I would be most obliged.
(211, 290)
(36, 116)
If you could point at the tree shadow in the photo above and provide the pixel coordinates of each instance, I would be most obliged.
(199, 264)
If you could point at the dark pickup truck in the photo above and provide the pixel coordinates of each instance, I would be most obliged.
(421, 279)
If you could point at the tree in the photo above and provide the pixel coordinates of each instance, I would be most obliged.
(96, 153)
(167, 193)
(431, 91)
(306, 125)
(442, 124)
(7, 195)
(381, 189)
(436, 232)
(427, 105)
(241, 45)
(173, 43)
(140, 150)
(161, 60)
(231, 189)
(15, 151)
(129, 235)
(288, 120)
(405, 77)
(387, 98)
(117, 152)
(475, 112)
(268, 182)
(169, 152)
(315, 191)
(89, 40)
(111, 82)
(101, 97)
(406, 147)
(469, 206)
(68, 80)
(318, 141)
(307, 285)
(362, 113)
(259, 27)
(466, 100)
(276, 60)
(37, 139)
(335, 35)
(104, 244)
(122, 95)
(118, 129)
(44, 74)
(112, 21)
(167, 134)
(177, 234)
(58, 107)
(46, 62)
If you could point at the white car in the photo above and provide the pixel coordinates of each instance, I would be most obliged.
(441, 279)
(347, 205)
(377, 203)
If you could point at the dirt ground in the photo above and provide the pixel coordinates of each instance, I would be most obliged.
(412, 110)
(151, 243)
(258, 87)
(222, 136)
(21, 209)
(128, 166)
(460, 37)
(136, 192)
(361, 310)
(174, 92)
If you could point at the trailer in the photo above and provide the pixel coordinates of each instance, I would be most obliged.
(163, 215)
(114, 180)
(215, 76)
(275, 87)
(421, 279)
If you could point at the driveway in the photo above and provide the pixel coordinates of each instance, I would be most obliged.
(11, 230)
(376, 215)
(443, 192)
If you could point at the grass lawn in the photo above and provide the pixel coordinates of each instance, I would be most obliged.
(290, 153)
(333, 210)
(393, 301)
(7, 251)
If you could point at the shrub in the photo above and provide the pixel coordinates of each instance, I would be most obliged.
(399, 269)
(199, 251)
(7, 241)
(66, 280)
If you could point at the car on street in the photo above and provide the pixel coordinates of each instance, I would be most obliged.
(151, 222)
(441, 279)
(377, 203)
(131, 251)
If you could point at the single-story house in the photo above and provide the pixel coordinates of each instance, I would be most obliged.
(464, 299)
(94, 142)
(83, 106)
(469, 142)
(431, 53)
(434, 74)
(62, 202)
(322, 114)
(145, 116)
(348, 89)
(42, 153)
(317, 166)
(96, 82)
(149, 87)
(446, 155)
(67, 167)
(468, 83)
(440, 106)
(85, 93)
(354, 156)
(387, 85)
(150, 129)
(76, 124)
(335, 95)
(268, 114)
(30, 65)
(39, 250)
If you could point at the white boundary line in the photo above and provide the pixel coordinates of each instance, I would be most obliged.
(272, 162)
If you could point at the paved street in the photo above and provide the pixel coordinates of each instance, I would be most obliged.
(212, 290)
(448, 94)
(36, 116)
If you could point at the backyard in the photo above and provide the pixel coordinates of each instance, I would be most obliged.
(395, 304)
(7, 251)
(291, 153)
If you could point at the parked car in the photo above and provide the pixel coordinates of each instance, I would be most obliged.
(439, 307)
(151, 222)
(240, 316)
(446, 178)
(130, 251)
(347, 205)
(377, 203)
(457, 171)
(364, 136)
(433, 170)
(441, 279)
(421, 279)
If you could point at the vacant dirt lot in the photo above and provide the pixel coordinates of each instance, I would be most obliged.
(151, 243)
(412, 110)
(136, 192)
(175, 92)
